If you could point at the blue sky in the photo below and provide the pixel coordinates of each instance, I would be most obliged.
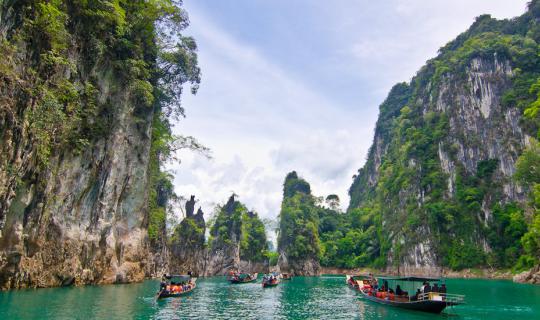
(295, 85)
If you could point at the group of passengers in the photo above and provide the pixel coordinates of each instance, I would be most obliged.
(385, 292)
(174, 287)
(426, 288)
(270, 278)
(234, 275)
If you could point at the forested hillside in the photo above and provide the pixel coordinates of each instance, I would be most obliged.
(87, 92)
(451, 178)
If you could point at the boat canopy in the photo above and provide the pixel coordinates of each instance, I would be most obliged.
(411, 278)
(360, 276)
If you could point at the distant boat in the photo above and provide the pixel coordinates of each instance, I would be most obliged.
(176, 286)
(271, 280)
(243, 277)
(434, 302)
(286, 276)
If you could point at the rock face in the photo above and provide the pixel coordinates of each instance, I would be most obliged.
(444, 153)
(188, 251)
(73, 203)
(83, 219)
(224, 253)
(531, 276)
(238, 241)
(298, 244)
(300, 267)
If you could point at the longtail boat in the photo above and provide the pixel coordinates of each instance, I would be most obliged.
(270, 280)
(176, 286)
(243, 278)
(434, 302)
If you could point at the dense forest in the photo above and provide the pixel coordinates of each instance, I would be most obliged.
(445, 173)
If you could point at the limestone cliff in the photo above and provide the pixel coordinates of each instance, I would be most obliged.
(80, 100)
(238, 241)
(437, 186)
(298, 240)
(187, 247)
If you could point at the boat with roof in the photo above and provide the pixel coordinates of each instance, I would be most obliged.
(236, 277)
(176, 286)
(270, 280)
(426, 294)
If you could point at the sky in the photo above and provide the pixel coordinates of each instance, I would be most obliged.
(296, 84)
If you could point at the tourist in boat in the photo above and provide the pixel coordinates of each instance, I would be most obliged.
(442, 289)
(426, 288)
(163, 283)
(435, 288)
(385, 285)
(399, 292)
(415, 297)
(375, 284)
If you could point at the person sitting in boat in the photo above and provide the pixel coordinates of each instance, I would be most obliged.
(163, 283)
(435, 288)
(385, 285)
(401, 292)
(415, 297)
(426, 287)
(442, 289)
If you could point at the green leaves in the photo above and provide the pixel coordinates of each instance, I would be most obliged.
(528, 165)
(532, 110)
(299, 220)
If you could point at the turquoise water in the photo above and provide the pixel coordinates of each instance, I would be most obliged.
(325, 297)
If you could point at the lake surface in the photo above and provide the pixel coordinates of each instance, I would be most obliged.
(325, 297)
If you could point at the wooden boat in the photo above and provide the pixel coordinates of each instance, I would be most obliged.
(270, 281)
(434, 302)
(354, 281)
(176, 286)
(243, 278)
(286, 276)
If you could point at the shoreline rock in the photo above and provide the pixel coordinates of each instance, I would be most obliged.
(532, 276)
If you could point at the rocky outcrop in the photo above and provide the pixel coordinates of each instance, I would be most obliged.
(83, 219)
(187, 245)
(299, 267)
(224, 253)
(532, 276)
(238, 241)
(444, 155)
(298, 238)
(76, 116)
